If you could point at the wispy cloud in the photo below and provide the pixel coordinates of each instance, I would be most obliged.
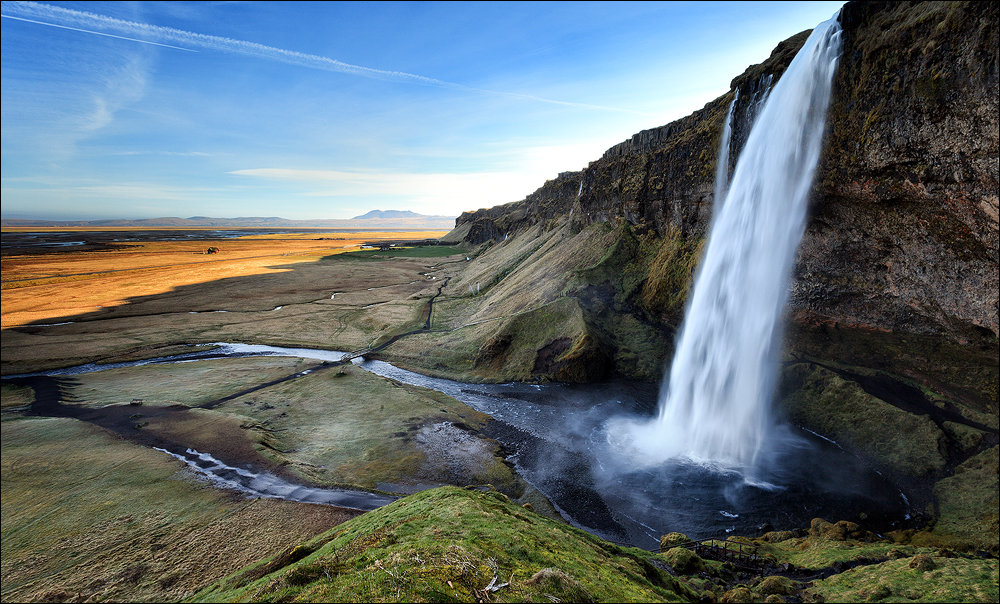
(167, 153)
(47, 117)
(94, 32)
(65, 18)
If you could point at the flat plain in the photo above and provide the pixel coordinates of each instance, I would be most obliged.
(91, 513)
(97, 300)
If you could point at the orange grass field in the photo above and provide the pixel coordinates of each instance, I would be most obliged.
(47, 286)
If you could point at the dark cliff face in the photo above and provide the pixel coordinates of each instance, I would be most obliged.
(664, 178)
(903, 233)
(892, 346)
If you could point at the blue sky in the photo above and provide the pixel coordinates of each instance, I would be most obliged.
(329, 110)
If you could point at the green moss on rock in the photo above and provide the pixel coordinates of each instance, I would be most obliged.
(738, 595)
(951, 580)
(822, 401)
(776, 585)
(968, 506)
(968, 438)
(452, 544)
(777, 536)
(671, 540)
(684, 561)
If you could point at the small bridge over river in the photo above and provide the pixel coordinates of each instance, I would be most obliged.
(741, 555)
(350, 356)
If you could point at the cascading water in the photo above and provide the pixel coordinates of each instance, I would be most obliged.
(722, 164)
(715, 407)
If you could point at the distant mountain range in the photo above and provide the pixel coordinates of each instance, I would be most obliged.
(390, 214)
(376, 219)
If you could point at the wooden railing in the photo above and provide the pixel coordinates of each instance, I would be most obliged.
(739, 554)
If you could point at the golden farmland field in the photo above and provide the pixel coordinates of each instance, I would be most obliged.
(42, 287)
(109, 298)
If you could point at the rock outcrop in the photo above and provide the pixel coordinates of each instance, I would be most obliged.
(663, 178)
(555, 198)
(904, 228)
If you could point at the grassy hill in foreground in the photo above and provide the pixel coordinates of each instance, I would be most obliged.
(464, 545)
(452, 544)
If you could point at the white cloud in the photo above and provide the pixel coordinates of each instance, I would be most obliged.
(446, 193)
(76, 100)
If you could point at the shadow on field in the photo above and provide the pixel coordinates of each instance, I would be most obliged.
(301, 304)
(171, 427)
(295, 283)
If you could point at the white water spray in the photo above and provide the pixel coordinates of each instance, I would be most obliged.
(715, 408)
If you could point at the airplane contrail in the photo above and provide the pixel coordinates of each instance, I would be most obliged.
(95, 32)
(65, 18)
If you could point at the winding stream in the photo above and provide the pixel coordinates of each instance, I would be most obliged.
(555, 435)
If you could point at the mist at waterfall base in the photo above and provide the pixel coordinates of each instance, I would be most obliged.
(714, 426)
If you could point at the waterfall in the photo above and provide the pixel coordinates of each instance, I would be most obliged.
(715, 407)
(722, 164)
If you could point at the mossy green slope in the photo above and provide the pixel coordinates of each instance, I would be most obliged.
(919, 579)
(883, 571)
(843, 411)
(452, 544)
(558, 304)
(968, 506)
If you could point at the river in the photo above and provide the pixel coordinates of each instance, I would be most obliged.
(557, 433)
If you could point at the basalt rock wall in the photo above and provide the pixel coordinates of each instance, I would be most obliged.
(554, 198)
(903, 234)
(892, 350)
(664, 178)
